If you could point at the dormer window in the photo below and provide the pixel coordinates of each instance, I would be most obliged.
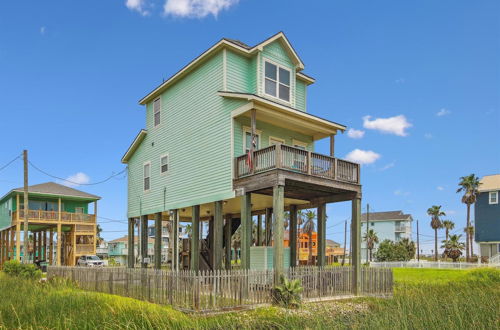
(156, 111)
(277, 81)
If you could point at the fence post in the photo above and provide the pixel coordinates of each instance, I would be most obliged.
(111, 282)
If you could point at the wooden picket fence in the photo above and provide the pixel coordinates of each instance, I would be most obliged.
(220, 290)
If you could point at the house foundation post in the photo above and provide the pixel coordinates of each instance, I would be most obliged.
(269, 225)
(292, 235)
(356, 245)
(321, 247)
(228, 241)
(218, 237)
(246, 229)
(195, 239)
(158, 233)
(131, 243)
(278, 228)
(144, 240)
(175, 238)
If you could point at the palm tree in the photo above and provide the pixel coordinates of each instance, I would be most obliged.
(469, 232)
(469, 185)
(309, 227)
(371, 238)
(188, 230)
(448, 225)
(453, 247)
(98, 231)
(435, 212)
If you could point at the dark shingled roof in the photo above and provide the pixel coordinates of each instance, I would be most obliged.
(238, 43)
(389, 215)
(52, 188)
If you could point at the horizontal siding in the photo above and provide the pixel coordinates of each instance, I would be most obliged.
(268, 130)
(5, 217)
(300, 95)
(195, 131)
(237, 72)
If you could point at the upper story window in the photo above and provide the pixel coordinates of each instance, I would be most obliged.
(493, 197)
(147, 176)
(164, 164)
(156, 111)
(277, 81)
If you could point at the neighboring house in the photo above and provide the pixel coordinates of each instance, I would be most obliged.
(228, 137)
(102, 249)
(165, 233)
(391, 225)
(118, 249)
(54, 211)
(333, 249)
(487, 216)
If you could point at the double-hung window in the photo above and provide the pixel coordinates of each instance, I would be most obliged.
(277, 81)
(493, 197)
(156, 111)
(147, 176)
(164, 164)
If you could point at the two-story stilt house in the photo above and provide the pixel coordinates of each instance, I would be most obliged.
(229, 137)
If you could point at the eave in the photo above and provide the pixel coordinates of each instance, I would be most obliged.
(133, 147)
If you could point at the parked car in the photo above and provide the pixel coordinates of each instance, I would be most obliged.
(90, 261)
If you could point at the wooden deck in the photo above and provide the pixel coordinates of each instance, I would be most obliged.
(39, 216)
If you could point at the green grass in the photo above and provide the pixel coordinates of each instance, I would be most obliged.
(423, 299)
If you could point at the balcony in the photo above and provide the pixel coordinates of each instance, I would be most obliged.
(401, 228)
(297, 160)
(54, 216)
(85, 248)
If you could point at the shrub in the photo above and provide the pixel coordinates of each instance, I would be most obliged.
(388, 250)
(287, 294)
(27, 271)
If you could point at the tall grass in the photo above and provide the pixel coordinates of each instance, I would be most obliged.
(469, 300)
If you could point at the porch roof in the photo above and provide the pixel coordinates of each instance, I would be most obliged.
(52, 189)
(284, 116)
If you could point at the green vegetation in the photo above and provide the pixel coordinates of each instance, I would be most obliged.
(423, 299)
(287, 294)
(26, 271)
(402, 250)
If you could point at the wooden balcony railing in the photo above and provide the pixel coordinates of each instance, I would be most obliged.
(84, 248)
(53, 216)
(296, 160)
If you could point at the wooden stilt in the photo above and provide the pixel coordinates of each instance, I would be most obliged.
(12, 242)
(144, 240)
(131, 243)
(175, 238)
(44, 252)
(158, 240)
(228, 242)
(278, 228)
(51, 246)
(59, 249)
(292, 235)
(18, 239)
(218, 240)
(269, 226)
(356, 245)
(259, 230)
(246, 229)
(321, 246)
(195, 238)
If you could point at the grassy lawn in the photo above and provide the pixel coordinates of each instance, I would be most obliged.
(424, 299)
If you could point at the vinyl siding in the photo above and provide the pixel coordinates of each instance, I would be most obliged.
(277, 54)
(487, 219)
(267, 130)
(240, 73)
(300, 95)
(195, 131)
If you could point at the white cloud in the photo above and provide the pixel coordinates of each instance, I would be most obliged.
(362, 156)
(43, 29)
(196, 8)
(396, 125)
(76, 179)
(138, 6)
(428, 136)
(355, 133)
(388, 166)
(443, 112)
(401, 193)
(440, 188)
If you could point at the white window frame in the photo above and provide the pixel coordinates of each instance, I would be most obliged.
(490, 194)
(278, 66)
(144, 176)
(282, 141)
(300, 143)
(168, 164)
(159, 112)
(246, 130)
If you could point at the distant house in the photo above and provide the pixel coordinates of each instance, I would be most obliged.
(487, 216)
(392, 225)
(54, 211)
(333, 249)
(102, 249)
(118, 249)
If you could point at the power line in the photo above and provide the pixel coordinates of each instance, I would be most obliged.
(77, 183)
(6, 165)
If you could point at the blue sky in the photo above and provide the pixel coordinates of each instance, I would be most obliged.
(71, 73)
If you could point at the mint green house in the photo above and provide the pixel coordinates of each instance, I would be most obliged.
(229, 137)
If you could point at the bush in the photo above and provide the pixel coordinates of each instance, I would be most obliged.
(403, 250)
(288, 293)
(27, 271)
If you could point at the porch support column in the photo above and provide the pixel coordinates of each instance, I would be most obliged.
(279, 215)
(259, 230)
(356, 245)
(59, 245)
(2, 247)
(35, 245)
(131, 243)
(51, 246)
(269, 225)
(332, 145)
(321, 235)
(158, 240)
(44, 245)
(228, 240)
(218, 239)
(246, 229)
(253, 124)
(175, 238)
(292, 235)
(195, 238)
(12, 240)
(144, 240)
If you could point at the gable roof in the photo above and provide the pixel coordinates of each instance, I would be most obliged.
(387, 216)
(135, 144)
(490, 183)
(124, 239)
(56, 189)
(237, 46)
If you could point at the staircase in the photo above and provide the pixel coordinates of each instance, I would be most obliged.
(205, 248)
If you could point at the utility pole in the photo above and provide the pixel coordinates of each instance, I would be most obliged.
(367, 220)
(25, 199)
(418, 244)
(345, 242)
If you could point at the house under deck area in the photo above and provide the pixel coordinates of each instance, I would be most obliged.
(269, 181)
